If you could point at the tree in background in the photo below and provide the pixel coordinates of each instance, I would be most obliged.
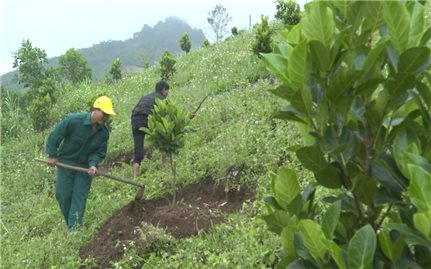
(31, 62)
(356, 79)
(115, 70)
(206, 43)
(234, 31)
(73, 66)
(39, 109)
(185, 43)
(288, 11)
(218, 19)
(167, 65)
(263, 40)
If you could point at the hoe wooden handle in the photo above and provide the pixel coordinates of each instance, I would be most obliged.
(81, 169)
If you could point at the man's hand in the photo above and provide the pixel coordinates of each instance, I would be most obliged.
(52, 161)
(92, 171)
(192, 115)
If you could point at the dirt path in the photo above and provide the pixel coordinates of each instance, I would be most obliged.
(200, 205)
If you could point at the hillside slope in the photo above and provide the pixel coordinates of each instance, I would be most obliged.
(233, 131)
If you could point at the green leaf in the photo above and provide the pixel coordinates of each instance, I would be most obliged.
(329, 177)
(400, 83)
(422, 224)
(397, 19)
(287, 240)
(341, 82)
(313, 238)
(318, 24)
(322, 115)
(374, 14)
(283, 91)
(375, 54)
(425, 37)
(336, 253)
(330, 219)
(277, 220)
(319, 55)
(411, 236)
(312, 158)
(365, 188)
(414, 60)
(298, 102)
(278, 65)
(285, 186)
(385, 172)
(420, 186)
(416, 23)
(392, 250)
(362, 247)
(297, 68)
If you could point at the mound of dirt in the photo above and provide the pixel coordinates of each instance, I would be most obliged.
(199, 206)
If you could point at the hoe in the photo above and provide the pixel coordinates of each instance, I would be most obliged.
(138, 196)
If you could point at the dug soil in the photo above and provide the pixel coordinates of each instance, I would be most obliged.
(199, 206)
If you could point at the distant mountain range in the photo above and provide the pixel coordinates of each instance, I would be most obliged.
(146, 46)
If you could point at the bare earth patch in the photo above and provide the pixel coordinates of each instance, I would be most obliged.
(199, 206)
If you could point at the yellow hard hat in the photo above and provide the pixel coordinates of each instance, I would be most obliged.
(105, 104)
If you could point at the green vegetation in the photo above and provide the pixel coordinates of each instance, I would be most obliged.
(359, 92)
(232, 128)
(362, 96)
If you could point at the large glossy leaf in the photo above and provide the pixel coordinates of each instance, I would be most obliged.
(300, 103)
(341, 82)
(397, 20)
(374, 16)
(322, 115)
(385, 171)
(392, 250)
(283, 91)
(362, 248)
(313, 238)
(319, 55)
(330, 219)
(319, 23)
(336, 253)
(365, 188)
(289, 113)
(298, 68)
(375, 54)
(411, 236)
(416, 23)
(277, 64)
(329, 177)
(277, 220)
(422, 223)
(285, 186)
(399, 83)
(287, 240)
(414, 60)
(419, 188)
(312, 158)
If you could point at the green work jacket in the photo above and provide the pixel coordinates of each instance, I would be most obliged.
(74, 142)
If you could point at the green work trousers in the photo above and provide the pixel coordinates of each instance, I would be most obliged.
(72, 190)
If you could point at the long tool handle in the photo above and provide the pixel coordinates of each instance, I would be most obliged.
(80, 169)
(199, 106)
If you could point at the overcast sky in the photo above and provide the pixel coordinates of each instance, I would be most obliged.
(58, 25)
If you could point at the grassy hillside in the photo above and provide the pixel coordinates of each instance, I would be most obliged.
(232, 129)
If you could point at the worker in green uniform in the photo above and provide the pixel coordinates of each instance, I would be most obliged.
(80, 139)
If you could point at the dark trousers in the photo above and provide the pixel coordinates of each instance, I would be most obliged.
(138, 139)
(72, 190)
